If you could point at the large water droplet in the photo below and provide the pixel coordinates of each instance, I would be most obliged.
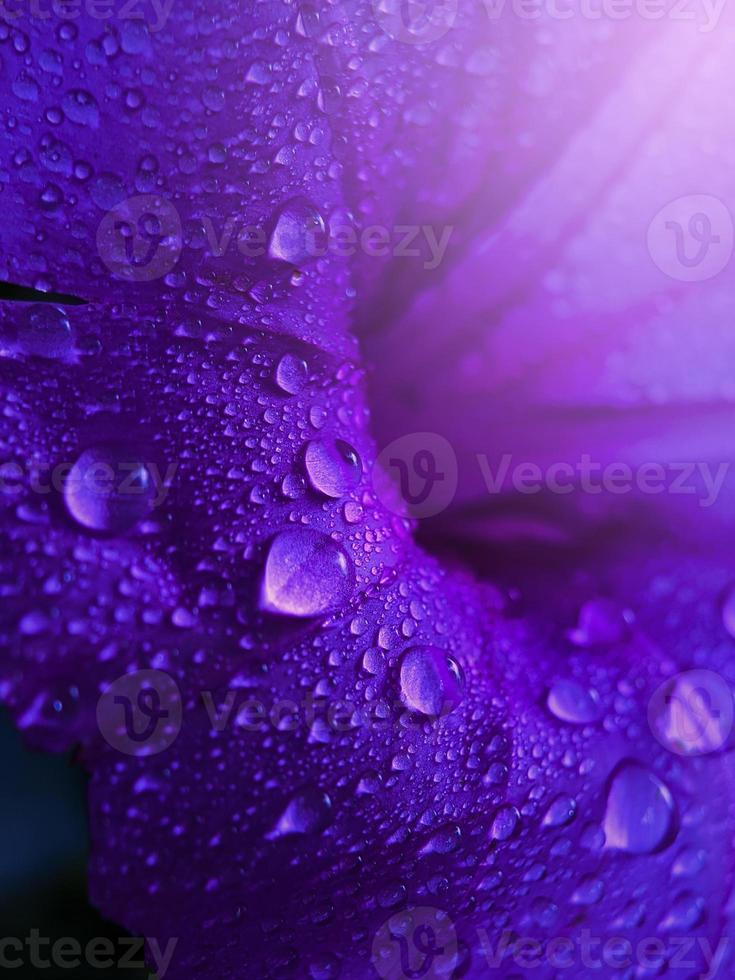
(45, 332)
(640, 813)
(431, 681)
(298, 233)
(306, 813)
(601, 622)
(333, 467)
(505, 822)
(588, 891)
(686, 912)
(291, 373)
(109, 489)
(306, 574)
(561, 812)
(443, 841)
(571, 702)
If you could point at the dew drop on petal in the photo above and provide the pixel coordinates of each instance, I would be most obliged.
(728, 611)
(308, 812)
(45, 332)
(569, 701)
(640, 812)
(686, 913)
(306, 574)
(505, 823)
(432, 682)
(291, 374)
(297, 234)
(333, 466)
(561, 812)
(601, 622)
(109, 489)
(443, 841)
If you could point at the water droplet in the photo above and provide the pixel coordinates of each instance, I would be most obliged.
(45, 332)
(431, 681)
(505, 822)
(108, 489)
(324, 966)
(544, 912)
(601, 622)
(333, 467)
(640, 813)
(81, 108)
(306, 813)
(685, 913)
(298, 233)
(689, 862)
(444, 841)
(291, 374)
(588, 891)
(306, 574)
(571, 702)
(561, 812)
